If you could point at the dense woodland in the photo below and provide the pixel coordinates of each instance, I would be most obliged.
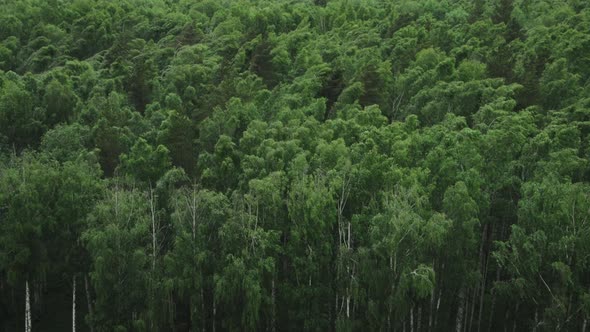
(327, 165)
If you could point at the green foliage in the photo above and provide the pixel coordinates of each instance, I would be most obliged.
(309, 166)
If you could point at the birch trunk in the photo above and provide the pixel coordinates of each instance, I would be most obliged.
(27, 307)
(350, 273)
(431, 310)
(584, 324)
(482, 294)
(459, 320)
(88, 301)
(74, 305)
(437, 307)
(440, 287)
(153, 216)
(348, 306)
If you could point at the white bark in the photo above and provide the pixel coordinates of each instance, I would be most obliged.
(437, 307)
(88, 301)
(153, 216)
(431, 310)
(584, 324)
(459, 320)
(27, 307)
(348, 306)
(74, 306)
(345, 236)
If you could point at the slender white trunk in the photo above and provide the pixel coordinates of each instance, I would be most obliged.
(153, 215)
(440, 287)
(349, 235)
(584, 324)
(536, 321)
(345, 237)
(436, 311)
(27, 307)
(88, 301)
(347, 306)
(431, 310)
(74, 306)
(459, 320)
(193, 210)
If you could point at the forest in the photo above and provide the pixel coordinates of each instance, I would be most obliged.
(294, 165)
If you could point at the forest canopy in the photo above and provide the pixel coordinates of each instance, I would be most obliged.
(278, 165)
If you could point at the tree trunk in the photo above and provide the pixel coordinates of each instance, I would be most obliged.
(481, 295)
(419, 319)
(27, 307)
(153, 216)
(348, 306)
(440, 287)
(203, 325)
(273, 313)
(412, 319)
(437, 307)
(88, 301)
(214, 313)
(584, 324)
(430, 312)
(491, 321)
(473, 301)
(459, 320)
(515, 320)
(488, 230)
(74, 305)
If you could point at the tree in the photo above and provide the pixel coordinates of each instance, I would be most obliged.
(144, 162)
(118, 241)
